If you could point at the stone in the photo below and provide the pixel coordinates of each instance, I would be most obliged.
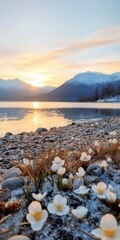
(94, 169)
(117, 179)
(19, 237)
(2, 171)
(92, 179)
(5, 195)
(41, 130)
(12, 183)
(13, 173)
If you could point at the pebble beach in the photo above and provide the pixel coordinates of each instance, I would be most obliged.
(68, 143)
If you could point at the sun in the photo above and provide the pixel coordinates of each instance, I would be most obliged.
(36, 83)
(36, 80)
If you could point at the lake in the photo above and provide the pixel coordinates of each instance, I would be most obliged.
(16, 117)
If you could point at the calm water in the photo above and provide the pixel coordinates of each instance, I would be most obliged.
(16, 117)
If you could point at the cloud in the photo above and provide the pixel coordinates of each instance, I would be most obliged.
(59, 64)
(38, 60)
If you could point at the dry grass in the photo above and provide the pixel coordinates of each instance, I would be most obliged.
(9, 207)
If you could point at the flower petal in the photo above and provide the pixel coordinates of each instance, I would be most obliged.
(44, 215)
(117, 233)
(55, 167)
(34, 207)
(37, 225)
(64, 211)
(94, 188)
(89, 157)
(58, 199)
(30, 218)
(98, 233)
(51, 208)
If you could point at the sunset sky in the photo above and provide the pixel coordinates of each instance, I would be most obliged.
(46, 42)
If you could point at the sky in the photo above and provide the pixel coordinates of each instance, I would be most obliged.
(46, 42)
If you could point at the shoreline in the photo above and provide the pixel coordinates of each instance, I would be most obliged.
(73, 136)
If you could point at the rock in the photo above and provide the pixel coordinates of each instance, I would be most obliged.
(12, 183)
(19, 237)
(2, 171)
(41, 130)
(11, 169)
(13, 173)
(8, 134)
(94, 169)
(5, 195)
(117, 179)
(92, 179)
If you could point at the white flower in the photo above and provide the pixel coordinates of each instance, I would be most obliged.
(39, 197)
(109, 160)
(61, 171)
(71, 177)
(85, 157)
(108, 228)
(111, 197)
(36, 216)
(64, 181)
(58, 206)
(81, 172)
(112, 134)
(100, 190)
(57, 163)
(104, 164)
(110, 140)
(82, 190)
(111, 188)
(113, 141)
(96, 144)
(90, 150)
(26, 161)
(80, 212)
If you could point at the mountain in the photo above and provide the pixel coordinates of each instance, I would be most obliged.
(91, 78)
(88, 86)
(18, 90)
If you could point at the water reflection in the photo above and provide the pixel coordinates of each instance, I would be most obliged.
(35, 105)
(30, 118)
(35, 118)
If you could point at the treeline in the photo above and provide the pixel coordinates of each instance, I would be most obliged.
(106, 91)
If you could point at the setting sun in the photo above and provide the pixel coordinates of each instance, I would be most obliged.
(36, 83)
(36, 80)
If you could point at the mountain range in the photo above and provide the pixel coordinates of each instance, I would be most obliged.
(13, 90)
(87, 86)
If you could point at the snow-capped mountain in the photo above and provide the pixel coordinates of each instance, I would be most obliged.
(88, 86)
(91, 78)
(14, 84)
(18, 90)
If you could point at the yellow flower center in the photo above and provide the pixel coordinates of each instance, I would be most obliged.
(101, 187)
(100, 191)
(57, 163)
(37, 216)
(109, 233)
(59, 207)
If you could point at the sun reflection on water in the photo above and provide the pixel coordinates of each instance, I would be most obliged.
(35, 118)
(35, 105)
